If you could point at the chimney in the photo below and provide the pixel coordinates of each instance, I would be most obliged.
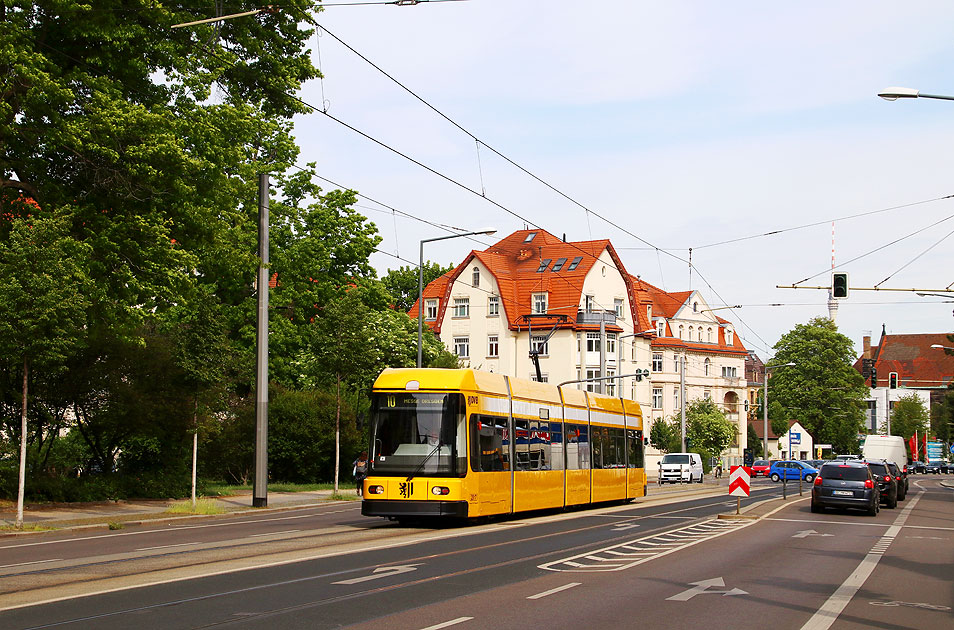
(866, 345)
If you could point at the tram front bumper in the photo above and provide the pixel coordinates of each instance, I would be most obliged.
(385, 507)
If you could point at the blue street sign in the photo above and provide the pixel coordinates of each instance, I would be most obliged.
(795, 438)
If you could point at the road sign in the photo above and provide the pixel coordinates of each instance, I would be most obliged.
(794, 438)
(739, 477)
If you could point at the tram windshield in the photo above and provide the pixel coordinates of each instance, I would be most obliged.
(418, 433)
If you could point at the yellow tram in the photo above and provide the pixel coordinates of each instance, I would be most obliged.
(465, 443)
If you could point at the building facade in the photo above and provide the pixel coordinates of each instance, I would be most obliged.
(586, 317)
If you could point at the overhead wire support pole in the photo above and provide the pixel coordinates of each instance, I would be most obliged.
(260, 494)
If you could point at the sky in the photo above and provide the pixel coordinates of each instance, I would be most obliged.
(663, 127)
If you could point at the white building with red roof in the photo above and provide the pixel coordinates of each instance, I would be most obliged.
(604, 322)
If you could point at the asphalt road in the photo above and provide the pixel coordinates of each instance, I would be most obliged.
(656, 566)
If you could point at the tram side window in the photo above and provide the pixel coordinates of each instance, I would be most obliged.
(577, 446)
(556, 445)
(609, 449)
(490, 447)
(532, 445)
(635, 443)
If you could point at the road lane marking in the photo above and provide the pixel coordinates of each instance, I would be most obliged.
(381, 572)
(805, 533)
(447, 624)
(554, 590)
(825, 616)
(698, 588)
(23, 564)
(912, 605)
(167, 546)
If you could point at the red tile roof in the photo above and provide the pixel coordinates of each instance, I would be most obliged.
(915, 361)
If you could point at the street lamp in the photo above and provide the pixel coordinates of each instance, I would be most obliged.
(765, 406)
(937, 345)
(894, 93)
(420, 285)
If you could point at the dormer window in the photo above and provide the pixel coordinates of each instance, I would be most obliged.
(661, 328)
(543, 265)
(539, 303)
(530, 237)
(728, 336)
(573, 264)
(476, 281)
(558, 265)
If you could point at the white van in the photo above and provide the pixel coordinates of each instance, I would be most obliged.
(887, 447)
(680, 468)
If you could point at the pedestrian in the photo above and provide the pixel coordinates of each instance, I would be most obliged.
(360, 471)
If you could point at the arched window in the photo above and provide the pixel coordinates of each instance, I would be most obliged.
(728, 336)
(709, 335)
(690, 333)
(700, 334)
(476, 277)
(680, 331)
(707, 364)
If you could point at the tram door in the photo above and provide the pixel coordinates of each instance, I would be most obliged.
(491, 459)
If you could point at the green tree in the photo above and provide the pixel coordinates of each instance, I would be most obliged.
(43, 287)
(823, 390)
(402, 283)
(665, 435)
(754, 442)
(908, 415)
(707, 429)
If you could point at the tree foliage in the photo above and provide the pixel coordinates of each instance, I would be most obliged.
(823, 391)
(403, 282)
(908, 415)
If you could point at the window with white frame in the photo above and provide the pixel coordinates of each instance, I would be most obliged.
(705, 366)
(675, 399)
(462, 307)
(493, 306)
(476, 280)
(610, 384)
(430, 310)
(593, 386)
(540, 344)
(618, 307)
(544, 377)
(729, 372)
(709, 335)
(493, 345)
(681, 331)
(649, 312)
(592, 342)
(661, 328)
(657, 397)
(588, 303)
(611, 344)
(700, 334)
(657, 365)
(690, 333)
(728, 336)
(462, 347)
(540, 303)
(632, 389)
(707, 394)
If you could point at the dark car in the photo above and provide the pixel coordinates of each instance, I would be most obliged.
(916, 467)
(848, 484)
(901, 477)
(887, 486)
(933, 467)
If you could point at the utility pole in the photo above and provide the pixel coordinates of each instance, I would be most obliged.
(682, 400)
(260, 490)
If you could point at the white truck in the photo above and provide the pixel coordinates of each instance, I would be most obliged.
(887, 447)
(681, 468)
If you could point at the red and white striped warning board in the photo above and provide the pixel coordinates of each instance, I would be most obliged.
(739, 481)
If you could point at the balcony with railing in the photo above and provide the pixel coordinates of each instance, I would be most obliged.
(595, 317)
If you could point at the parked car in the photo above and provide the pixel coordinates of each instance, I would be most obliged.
(792, 470)
(916, 467)
(815, 463)
(933, 467)
(760, 468)
(887, 486)
(947, 467)
(848, 484)
(901, 477)
(681, 468)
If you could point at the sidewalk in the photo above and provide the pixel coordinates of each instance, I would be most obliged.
(103, 513)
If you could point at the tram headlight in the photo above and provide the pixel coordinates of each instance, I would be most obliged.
(440, 490)
(375, 489)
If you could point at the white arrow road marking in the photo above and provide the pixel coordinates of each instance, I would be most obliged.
(623, 526)
(805, 533)
(381, 572)
(702, 587)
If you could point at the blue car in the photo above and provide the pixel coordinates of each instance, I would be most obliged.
(792, 471)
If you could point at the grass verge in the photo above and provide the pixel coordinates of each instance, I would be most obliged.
(202, 506)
